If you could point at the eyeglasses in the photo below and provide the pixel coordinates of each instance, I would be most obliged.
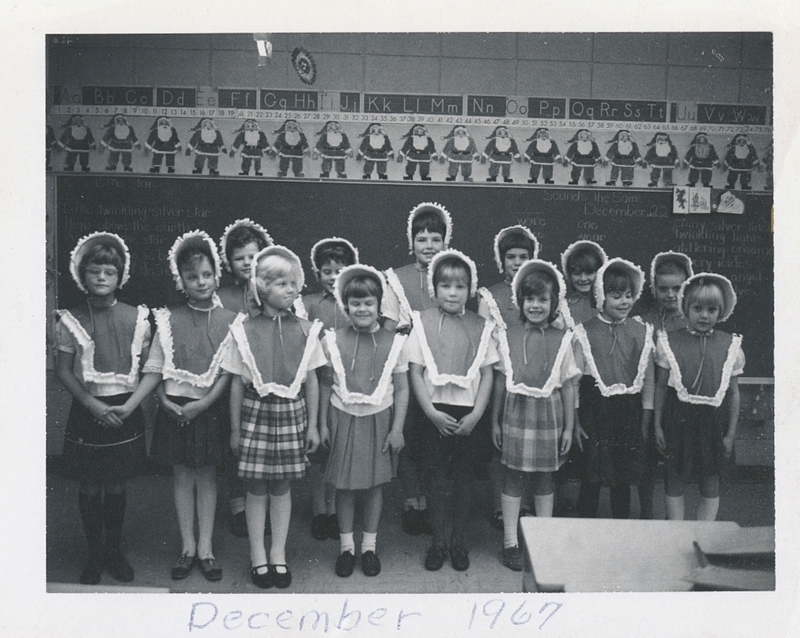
(96, 271)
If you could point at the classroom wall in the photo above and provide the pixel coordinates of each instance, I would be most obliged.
(714, 67)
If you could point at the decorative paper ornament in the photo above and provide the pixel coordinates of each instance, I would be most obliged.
(304, 65)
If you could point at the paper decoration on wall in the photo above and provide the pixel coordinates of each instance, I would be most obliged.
(304, 65)
(691, 200)
(729, 203)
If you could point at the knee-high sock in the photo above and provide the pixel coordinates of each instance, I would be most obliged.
(510, 506)
(280, 512)
(91, 508)
(113, 518)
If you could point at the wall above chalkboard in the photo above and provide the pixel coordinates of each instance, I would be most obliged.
(149, 212)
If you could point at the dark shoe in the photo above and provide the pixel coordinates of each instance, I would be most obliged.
(365, 177)
(262, 581)
(370, 564)
(434, 559)
(118, 567)
(531, 181)
(450, 179)
(467, 179)
(425, 526)
(92, 570)
(127, 169)
(211, 570)
(196, 171)
(627, 183)
(573, 182)
(492, 179)
(610, 183)
(333, 527)
(183, 566)
(408, 177)
(324, 175)
(170, 170)
(319, 527)
(86, 169)
(652, 184)
(549, 181)
(425, 179)
(258, 174)
(239, 524)
(341, 175)
(297, 175)
(210, 172)
(411, 523)
(155, 169)
(345, 564)
(281, 579)
(497, 520)
(591, 182)
(508, 180)
(459, 558)
(383, 177)
(243, 172)
(511, 557)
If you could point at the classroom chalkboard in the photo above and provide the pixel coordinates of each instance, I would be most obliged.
(150, 212)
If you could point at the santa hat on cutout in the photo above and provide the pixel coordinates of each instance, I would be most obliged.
(193, 239)
(349, 272)
(581, 130)
(655, 137)
(368, 130)
(413, 126)
(453, 131)
(324, 129)
(696, 138)
(616, 135)
(332, 241)
(282, 128)
(199, 124)
(633, 271)
(452, 252)
(112, 122)
(85, 244)
(248, 121)
(72, 119)
(433, 207)
(737, 137)
(158, 119)
(258, 229)
(684, 261)
(493, 134)
(535, 135)
(514, 230)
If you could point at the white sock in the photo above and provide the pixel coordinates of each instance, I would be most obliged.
(346, 543)
(412, 504)
(510, 506)
(280, 511)
(368, 542)
(423, 504)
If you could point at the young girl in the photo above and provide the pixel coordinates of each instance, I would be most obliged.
(363, 411)
(451, 352)
(100, 345)
(238, 245)
(580, 263)
(668, 271)
(428, 231)
(535, 390)
(191, 430)
(616, 392)
(274, 404)
(513, 246)
(697, 368)
(328, 257)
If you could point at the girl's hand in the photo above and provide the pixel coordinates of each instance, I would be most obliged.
(727, 443)
(234, 441)
(395, 441)
(445, 423)
(324, 437)
(579, 434)
(190, 410)
(172, 409)
(312, 440)
(104, 413)
(661, 443)
(121, 412)
(566, 442)
(466, 425)
(497, 436)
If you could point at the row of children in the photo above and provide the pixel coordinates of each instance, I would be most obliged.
(419, 150)
(398, 382)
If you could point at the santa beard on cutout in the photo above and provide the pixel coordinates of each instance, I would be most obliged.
(376, 140)
(624, 147)
(292, 138)
(164, 133)
(544, 146)
(121, 131)
(741, 152)
(662, 148)
(502, 144)
(584, 147)
(702, 150)
(78, 132)
(420, 142)
(251, 138)
(208, 135)
(460, 143)
(334, 140)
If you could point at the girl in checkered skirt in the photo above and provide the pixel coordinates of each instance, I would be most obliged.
(274, 404)
(533, 402)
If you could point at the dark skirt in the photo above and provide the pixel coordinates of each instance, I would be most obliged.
(97, 452)
(196, 443)
(693, 436)
(615, 449)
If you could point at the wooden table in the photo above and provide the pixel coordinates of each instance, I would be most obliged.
(600, 555)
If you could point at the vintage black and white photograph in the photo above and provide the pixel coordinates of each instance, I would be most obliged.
(354, 313)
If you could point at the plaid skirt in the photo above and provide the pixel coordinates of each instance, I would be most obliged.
(532, 430)
(272, 442)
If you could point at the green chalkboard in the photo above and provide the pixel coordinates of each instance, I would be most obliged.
(150, 212)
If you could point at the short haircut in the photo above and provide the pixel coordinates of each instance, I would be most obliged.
(362, 286)
(707, 292)
(515, 240)
(102, 253)
(538, 283)
(583, 260)
(193, 255)
(333, 251)
(430, 221)
(275, 266)
(671, 267)
(451, 267)
(240, 237)
(616, 279)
